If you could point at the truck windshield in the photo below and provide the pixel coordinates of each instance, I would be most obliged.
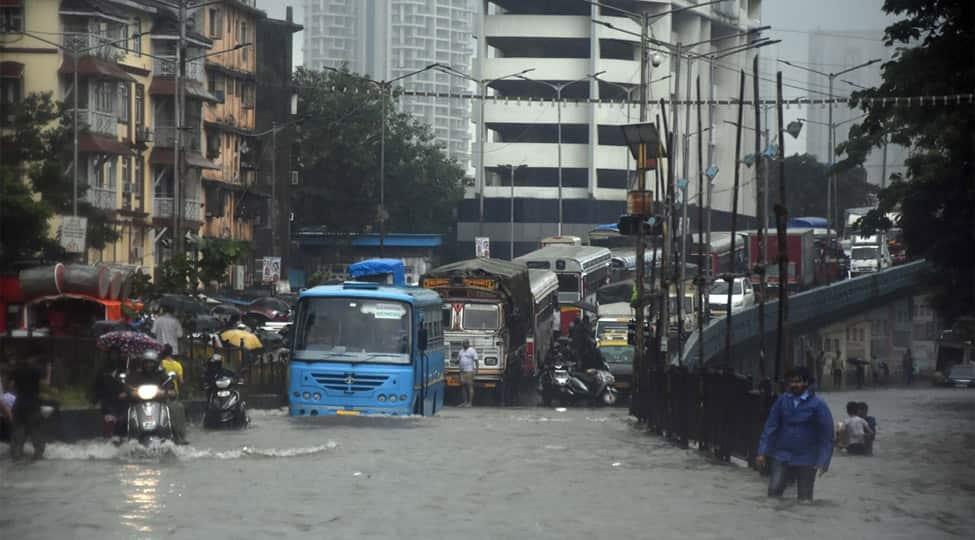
(865, 253)
(480, 317)
(353, 330)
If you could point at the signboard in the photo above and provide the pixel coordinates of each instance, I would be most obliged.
(74, 233)
(271, 272)
(482, 246)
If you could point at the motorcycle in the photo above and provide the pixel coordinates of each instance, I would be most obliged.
(148, 416)
(559, 380)
(225, 407)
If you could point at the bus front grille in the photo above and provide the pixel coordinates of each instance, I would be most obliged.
(348, 382)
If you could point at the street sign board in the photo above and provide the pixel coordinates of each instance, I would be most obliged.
(482, 246)
(271, 272)
(74, 233)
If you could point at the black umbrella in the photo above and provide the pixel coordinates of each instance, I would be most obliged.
(182, 305)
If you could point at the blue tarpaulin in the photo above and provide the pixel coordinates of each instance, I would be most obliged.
(380, 267)
(810, 222)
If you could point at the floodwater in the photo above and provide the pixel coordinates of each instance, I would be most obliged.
(494, 473)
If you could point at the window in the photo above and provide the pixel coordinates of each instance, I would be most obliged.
(105, 96)
(126, 183)
(243, 39)
(216, 23)
(125, 103)
(138, 177)
(140, 105)
(11, 92)
(12, 16)
(137, 39)
(249, 97)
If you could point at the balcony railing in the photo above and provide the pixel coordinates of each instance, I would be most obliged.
(166, 138)
(102, 123)
(89, 44)
(166, 66)
(104, 198)
(162, 207)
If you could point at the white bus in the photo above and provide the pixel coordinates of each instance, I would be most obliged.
(581, 270)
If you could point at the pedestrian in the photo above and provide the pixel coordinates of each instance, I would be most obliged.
(861, 375)
(874, 370)
(467, 361)
(556, 325)
(885, 368)
(863, 411)
(908, 366)
(170, 364)
(837, 373)
(857, 430)
(168, 330)
(27, 380)
(798, 438)
(6, 417)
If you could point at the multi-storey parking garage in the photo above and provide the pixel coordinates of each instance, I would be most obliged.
(563, 42)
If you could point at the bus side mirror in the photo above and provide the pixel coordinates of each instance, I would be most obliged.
(422, 339)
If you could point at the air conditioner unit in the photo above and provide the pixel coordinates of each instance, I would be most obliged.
(294, 178)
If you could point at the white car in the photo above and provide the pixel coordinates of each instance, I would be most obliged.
(742, 296)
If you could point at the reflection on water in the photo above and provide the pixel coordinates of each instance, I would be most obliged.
(140, 489)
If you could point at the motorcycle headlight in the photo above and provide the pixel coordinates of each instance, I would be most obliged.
(147, 391)
(223, 382)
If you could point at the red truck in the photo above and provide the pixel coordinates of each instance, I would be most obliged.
(801, 250)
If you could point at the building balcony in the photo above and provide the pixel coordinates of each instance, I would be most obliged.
(98, 122)
(163, 208)
(88, 44)
(165, 137)
(104, 198)
(166, 66)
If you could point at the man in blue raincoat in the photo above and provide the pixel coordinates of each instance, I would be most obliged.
(798, 437)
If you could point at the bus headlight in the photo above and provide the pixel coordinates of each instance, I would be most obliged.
(317, 396)
(381, 398)
(402, 397)
(306, 395)
(392, 397)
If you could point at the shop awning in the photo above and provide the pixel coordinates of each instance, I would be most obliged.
(92, 66)
(99, 144)
(165, 156)
(167, 87)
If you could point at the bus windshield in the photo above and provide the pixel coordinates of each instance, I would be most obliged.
(353, 330)
(480, 317)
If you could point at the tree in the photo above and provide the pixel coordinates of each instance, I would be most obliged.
(805, 178)
(35, 160)
(216, 256)
(935, 56)
(339, 140)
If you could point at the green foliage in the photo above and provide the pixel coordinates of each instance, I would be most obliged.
(217, 255)
(36, 149)
(178, 275)
(935, 55)
(806, 186)
(340, 150)
(142, 287)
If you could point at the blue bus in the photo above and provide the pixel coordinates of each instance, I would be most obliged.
(367, 349)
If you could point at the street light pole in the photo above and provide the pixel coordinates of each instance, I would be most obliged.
(831, 138)
(512, 168)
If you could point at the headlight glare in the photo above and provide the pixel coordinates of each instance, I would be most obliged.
(147, 391)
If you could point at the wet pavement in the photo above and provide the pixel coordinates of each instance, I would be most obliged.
(495, 473)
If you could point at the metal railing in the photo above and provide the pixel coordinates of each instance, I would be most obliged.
(165, 137)
(166, 66)
(95, 45)
(162, 207)
(104, 198)
(102, 123)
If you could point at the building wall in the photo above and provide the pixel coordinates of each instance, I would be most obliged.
(562, 45)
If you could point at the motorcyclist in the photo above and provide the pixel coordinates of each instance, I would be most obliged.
(149, 371)
(215, 370)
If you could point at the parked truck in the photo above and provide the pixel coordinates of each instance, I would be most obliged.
(869, 254)
(801, 251)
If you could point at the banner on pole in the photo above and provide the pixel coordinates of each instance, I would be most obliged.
(74, 231)
(271, 272)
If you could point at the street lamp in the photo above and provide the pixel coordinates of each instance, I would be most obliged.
(512, 169)
(482, 85)
(557, 88)
(384, 88)
(831, 135)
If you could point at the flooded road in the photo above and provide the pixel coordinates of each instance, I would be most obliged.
(494, 473)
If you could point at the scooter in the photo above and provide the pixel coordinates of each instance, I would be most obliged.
(148, 416)
(225, 407)
(559, 381)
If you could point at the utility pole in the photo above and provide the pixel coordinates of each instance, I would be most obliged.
(780, 221)
(762, 220)
(729, 279)
(383, 88)
(700, 233)
(274, 188)
(178, 136)
(666, 272)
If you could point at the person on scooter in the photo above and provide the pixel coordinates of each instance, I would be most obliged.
(150, 372)
(215, 370)
(107, 392)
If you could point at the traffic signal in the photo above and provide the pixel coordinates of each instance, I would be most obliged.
(629, 225)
